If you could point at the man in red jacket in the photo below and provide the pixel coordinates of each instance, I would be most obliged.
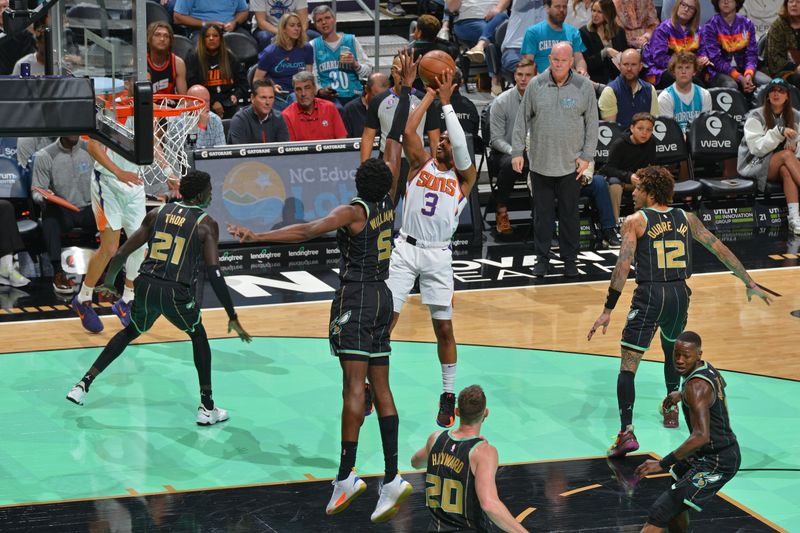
(311, 118)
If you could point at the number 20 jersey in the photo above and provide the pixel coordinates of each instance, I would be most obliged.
(434, 200)
(175, 251)
(664, 251)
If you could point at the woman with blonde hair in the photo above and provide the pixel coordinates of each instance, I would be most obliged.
(288, 55)
(604, 41)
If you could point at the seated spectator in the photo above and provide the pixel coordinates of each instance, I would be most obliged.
(288, 55)
(209, 130)
(783, 44)
(340, 61)
(524, 14)
(596, 188)
(475, 26)
(310, 118)
(10, 243)
(579, 13)
(604, 41)
(627, 94)
(705, 7)
(217, 69)
(259, 122)
(729, 41)
(676, 34)
(27, 146)
(34, 59)
(540, 38)
(166, 70)
(425, 40)
(465, 110)
(13, 47)
(626, 156)
(683, 100)
(501, 119)
(227, 14)
(769, 149)
(354, 114)
(639, 19)
(66, 168)
(268, 15)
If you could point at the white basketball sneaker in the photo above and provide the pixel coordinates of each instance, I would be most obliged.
(344, 492)
(392, 496)
(209, 418)
(77, 393)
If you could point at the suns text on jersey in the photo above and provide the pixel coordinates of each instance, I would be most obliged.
(437, 183)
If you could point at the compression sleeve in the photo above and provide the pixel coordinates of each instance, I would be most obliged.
(458, 140)
(221, 290)
(400, 115)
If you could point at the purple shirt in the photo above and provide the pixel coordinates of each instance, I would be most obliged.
(724, 43)
(667, 40)
(280, 65)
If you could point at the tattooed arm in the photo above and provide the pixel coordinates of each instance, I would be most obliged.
(632, 229)
(726, 257)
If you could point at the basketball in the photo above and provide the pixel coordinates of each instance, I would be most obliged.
(433, 64)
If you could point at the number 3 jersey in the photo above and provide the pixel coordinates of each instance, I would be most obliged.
(434, 201)
(450, 486)
(664, 251)
(175, 250)
(365, 256)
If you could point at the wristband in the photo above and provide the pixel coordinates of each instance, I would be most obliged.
(611, 299)
(668, 461)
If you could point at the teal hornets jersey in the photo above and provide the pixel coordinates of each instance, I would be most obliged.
(344, 82)
(664, 251)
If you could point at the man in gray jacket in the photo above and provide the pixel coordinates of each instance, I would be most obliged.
(560, 110)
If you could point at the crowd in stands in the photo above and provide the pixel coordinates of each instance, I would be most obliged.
(625, 61)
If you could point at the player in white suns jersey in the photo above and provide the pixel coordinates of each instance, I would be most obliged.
(436, 193)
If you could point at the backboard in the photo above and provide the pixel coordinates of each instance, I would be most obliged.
(104, 40)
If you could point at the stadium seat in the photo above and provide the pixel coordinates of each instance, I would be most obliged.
(715, 136)
(244, 47)
(670, 144)
(729, 101)
(773, 189)
(182, 46)
(157, 13)
(607, 133)
(494, 49)
(226, 126)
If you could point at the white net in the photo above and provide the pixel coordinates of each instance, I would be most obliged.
(174, 118)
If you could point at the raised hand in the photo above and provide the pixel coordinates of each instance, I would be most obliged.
(408, 67)
(446, 86)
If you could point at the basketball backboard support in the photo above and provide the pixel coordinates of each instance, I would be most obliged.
(104, 40)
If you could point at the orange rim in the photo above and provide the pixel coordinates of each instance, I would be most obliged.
(161, 107)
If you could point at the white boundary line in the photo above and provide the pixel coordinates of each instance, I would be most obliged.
(486, 289)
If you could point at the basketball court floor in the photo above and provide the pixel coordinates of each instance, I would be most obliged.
(132, 459)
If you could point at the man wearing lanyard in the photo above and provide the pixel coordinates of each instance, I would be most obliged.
(258, 122)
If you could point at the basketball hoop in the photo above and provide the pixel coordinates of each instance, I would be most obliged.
(174, 116)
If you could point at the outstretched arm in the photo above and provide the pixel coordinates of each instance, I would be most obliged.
(420, 459)
(458, 141)
(630, 233)
(412, 143)
(209, 232)
(699, 398)
(484, 459)
(726, 257)
(393, 151)
(342, 216)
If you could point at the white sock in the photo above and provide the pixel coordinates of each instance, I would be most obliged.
(448, 377)
(794, 212)
(127, 294)
(7, 264)
(86, 293)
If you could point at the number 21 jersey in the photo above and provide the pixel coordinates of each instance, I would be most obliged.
(434, 200)
(175, 251)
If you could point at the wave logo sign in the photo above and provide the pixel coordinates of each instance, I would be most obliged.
(659, 130)
(714, 125)
(724, 101)
(254, 191)
(604, 135)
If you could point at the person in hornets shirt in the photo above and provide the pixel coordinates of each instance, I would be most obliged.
(437, 191)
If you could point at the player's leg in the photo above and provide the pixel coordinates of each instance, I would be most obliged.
(672, 322)
(132, 219)
(402, 275)
(348, 486)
